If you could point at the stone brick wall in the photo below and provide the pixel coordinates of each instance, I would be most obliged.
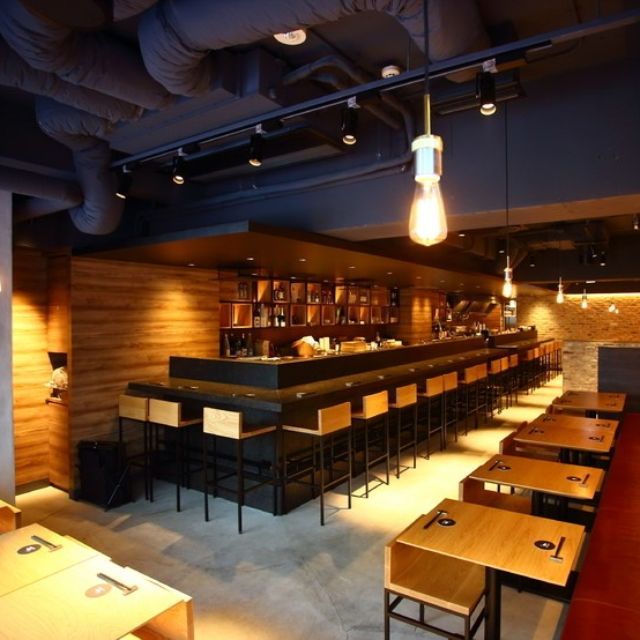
(583, 330)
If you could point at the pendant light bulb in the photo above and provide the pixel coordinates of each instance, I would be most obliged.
(427, 222)
(560, 294)
(584, 303)
(612, 307)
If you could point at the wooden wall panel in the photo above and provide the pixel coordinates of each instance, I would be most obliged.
(31, 368)
(416, 314)
(126, 320)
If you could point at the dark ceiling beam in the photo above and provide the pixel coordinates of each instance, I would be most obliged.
(504, 53)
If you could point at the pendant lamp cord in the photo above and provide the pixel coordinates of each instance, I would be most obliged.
(427, 96)
(506, 172)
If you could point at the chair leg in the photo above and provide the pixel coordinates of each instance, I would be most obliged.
(398, 431)
(350, 464)
(386, 438)
(179, 469)
(240, 481)
(386, 615)
(205, 467)
(321, 483)
(366, 459)
(415, 435)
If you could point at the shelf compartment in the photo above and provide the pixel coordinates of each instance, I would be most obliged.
(241, 315)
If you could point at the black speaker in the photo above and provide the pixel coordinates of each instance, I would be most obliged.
(103, 477)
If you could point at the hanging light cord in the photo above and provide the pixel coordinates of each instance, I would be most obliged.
(427, 96)
(506, 173)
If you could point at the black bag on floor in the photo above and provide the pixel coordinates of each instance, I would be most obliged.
(103, 477)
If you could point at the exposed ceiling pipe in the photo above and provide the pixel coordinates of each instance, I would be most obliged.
(95, 61)
(15, 72)
(48, 194)
(123, 9)
(101, 211)
(177, 36)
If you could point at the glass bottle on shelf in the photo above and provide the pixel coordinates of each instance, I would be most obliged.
(243, 345)
(226, 346)
(256, 316)
(249, 344)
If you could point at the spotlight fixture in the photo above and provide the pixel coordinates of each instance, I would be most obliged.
(636, 222)
(427, 221)
(602, 260)
(486, 88)
(124, 179)
(560, 294)
(256, 147)
(291, 38)
(532, 260)
(349, 126)
(177, 170)
(584, 303)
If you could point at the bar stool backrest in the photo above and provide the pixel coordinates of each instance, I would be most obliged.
(529, 354)
(375, 404)
(470, 375)
(334, 418)
(482, 371)
(434, 386)
(223, 423)
(513, 360)
(165, 412)
(133, 407)
(406, 396)
(450, 380)
(536, 353)
(504, 363)
(495, 367)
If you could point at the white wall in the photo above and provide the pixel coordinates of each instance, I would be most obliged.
(7, 464)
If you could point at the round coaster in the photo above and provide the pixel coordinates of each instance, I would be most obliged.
(547, 545)
(446, 522)
(27, 549)
(503, 467)
(98, 590)
(574, 478)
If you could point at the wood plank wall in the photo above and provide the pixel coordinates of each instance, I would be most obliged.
(31, 368)
(58, 339)
(126, 320)
(416, 313)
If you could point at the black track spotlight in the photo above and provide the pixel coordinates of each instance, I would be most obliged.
(256, 147)
(486, 93)
(636, 222)
(124, 179)
(177, 170)
(602, 260)
(349, 126)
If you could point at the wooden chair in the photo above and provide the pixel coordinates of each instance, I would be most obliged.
(220, 423)
(373, 421)
(436, 581)
(495, 385)
(168, 414)
(10, 517)
(482, 389)
(135, 410)
(451, 409)
(514, 377)
(433, 398)
(468, 384)
(406, 403)
(334, 424)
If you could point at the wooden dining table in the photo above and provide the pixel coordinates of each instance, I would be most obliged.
(501, 541)
(591, 401)
(541, 477)
(575, 422)
(567, 439)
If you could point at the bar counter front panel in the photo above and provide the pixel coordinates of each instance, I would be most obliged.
(297, 404)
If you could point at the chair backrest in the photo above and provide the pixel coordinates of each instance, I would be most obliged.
(469, 375)
(504, 363)
(536, 352)
(220, 422)
(407, 395)
(482, 371)
(165, 412)
(450, 381)
(495, 367)
(434, 386)
(375, 404)
(133, 407)
(334, 418)
(513, 360)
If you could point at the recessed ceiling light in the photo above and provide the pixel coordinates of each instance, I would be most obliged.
(250, 259)
(293, 277)
(389, 273)
(254, 274)
(302, 259)
(351, 267)
(477, 286)
(292, 38)
(441, 281)
(590, 281)
(191, 264)
(462, 234)
(461, 284)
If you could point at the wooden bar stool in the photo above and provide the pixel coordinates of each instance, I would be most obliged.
(334, 424)
(495, 385)
(134, 409)
(168, 414)
(373, 420)
(433, 398)
(451, 396)
(468, 386)
(514, 376)
(220, 423)
(406, 403)
(482, 390)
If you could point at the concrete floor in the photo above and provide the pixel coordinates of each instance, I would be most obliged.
(287, 578)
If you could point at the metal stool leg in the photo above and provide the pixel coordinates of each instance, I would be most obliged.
(240, 472)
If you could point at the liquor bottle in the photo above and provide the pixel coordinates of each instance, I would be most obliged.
(226, 345)
(256, 316)
(249, 346)
(243, 345)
